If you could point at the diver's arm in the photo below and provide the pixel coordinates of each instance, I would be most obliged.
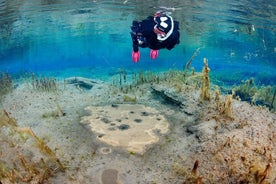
(135, 44)
(135, 48)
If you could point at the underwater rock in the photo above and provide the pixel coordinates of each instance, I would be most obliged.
(123, 127)
(134, 133)
(203, 131)
(83, 83)
(169, 97)
(139, 120)
(187, 105)
(144, 113)
(114, 105)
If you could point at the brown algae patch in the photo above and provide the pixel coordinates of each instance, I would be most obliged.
(126, 125)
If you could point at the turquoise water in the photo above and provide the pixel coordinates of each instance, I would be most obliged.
(74, 128)
(85, 37)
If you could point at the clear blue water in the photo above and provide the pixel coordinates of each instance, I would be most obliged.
(85, 37)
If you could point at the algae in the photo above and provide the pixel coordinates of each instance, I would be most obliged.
(254, 94)
(128, 98)
(205, 82)
(226, 108)
(17, 164)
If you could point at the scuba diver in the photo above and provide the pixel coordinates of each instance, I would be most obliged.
(156, 32)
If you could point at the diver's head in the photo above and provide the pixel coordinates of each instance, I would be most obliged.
(164, 25)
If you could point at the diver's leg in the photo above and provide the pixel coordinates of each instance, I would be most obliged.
(153, 54)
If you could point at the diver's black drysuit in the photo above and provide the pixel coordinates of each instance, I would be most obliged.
(143, 35)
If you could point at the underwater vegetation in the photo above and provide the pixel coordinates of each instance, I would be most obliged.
(246, 91)
(188, 64)
(254, 94)
(237, 151)
(127, 84)
(6, 84)
(205, 82)
(19, 163)
(55, 113)
(130, 99)
(174, 78)
(44, 84)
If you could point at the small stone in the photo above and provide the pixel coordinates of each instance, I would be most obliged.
(100, 136)
(123, 127)
(138, 120)
(105, 120)
(144, 113)
(114, 105)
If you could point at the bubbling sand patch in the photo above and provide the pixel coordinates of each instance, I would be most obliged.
(132, 127)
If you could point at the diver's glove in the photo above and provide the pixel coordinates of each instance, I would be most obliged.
(153, 54)
(135, 56)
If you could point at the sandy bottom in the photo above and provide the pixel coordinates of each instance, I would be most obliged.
(202, 145)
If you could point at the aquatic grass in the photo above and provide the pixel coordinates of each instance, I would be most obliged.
(177, 80)
(6, 84)
(254, 94)
(126, 84)
(41, 83)
(246, 90)
(44, 84)
(54, 114)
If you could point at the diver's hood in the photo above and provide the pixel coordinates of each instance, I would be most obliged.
(164, 26)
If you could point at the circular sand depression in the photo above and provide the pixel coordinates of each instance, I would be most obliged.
(130, 126)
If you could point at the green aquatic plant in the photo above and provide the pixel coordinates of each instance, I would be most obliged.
(6, 84)
(246, 90)
(273, 98)
(266, 96)
(250, 92)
